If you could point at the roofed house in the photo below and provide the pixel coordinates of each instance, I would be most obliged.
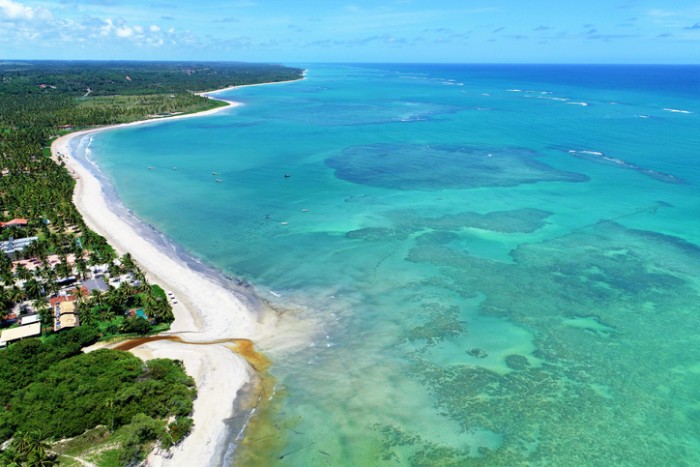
(15, 334)
(29, 319)
(14, 223)
(64, 312)
(96, 283)
(13, 246)
(10, 318)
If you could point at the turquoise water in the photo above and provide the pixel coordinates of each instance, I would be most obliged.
(503, 259)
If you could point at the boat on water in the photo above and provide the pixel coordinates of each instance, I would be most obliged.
(218, 180)
(215, 173)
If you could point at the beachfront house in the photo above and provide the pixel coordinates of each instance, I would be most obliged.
(65, 312)
(15, 334)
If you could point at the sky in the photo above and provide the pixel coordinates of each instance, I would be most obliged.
(302, 31)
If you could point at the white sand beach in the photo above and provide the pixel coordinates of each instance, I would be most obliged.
(206, 311)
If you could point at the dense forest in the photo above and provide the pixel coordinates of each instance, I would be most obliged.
(50, 389)
(53, 390)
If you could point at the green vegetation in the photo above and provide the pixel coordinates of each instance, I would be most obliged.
(55, 390)
(114, 405)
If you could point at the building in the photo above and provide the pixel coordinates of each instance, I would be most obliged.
(10, 318)
(29, 319)
(12, 246)
(96, 283)
(15, 334)
(64, 312)
(14, 223)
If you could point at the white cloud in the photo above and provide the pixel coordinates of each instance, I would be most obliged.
(124, 31)
(14, 11)
(22, 24)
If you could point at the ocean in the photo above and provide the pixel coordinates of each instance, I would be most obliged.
(500, 263)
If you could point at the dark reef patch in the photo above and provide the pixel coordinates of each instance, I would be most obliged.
(438, 167)
(442, 229)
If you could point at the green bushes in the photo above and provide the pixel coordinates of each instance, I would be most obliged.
(139, 435)
(54, 389)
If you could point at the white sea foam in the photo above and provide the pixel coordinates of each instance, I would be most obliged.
(619, 161)
(678, 111)
(594, 153)
(582, 104)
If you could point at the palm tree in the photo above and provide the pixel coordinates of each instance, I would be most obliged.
(151, 305)
(32, 450)
(16, 294)
(5, 302)
(113, 270)
(86, 313)
(82, 267)
(22, 272)
(45, 313)
(94, 258)
(51, 286)
(140, 277)
(127, 262)
(116, 298)
(78, 294)
(97, 297)
(33, 289)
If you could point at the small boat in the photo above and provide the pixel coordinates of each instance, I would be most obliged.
(215, 173)
(218, 180)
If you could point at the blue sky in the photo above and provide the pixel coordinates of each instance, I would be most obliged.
(479, 31)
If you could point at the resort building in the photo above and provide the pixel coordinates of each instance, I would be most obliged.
(29, 319)
(12, 246)
(64, 312)
(14, 223)
(95, 283)
(15, 334)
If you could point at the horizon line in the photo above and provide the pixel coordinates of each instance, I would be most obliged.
(4, 61)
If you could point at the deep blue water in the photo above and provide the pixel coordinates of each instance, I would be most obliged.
(500, 263)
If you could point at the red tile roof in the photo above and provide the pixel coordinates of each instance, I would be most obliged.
(53, 301)
(14, 223)
(60, 299)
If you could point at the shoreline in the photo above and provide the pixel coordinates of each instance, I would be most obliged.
(207, 309)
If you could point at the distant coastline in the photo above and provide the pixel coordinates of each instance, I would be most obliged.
(208, 310)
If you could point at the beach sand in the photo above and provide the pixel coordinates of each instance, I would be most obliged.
(206, 311)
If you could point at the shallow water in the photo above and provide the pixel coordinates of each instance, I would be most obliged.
(504, 275)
